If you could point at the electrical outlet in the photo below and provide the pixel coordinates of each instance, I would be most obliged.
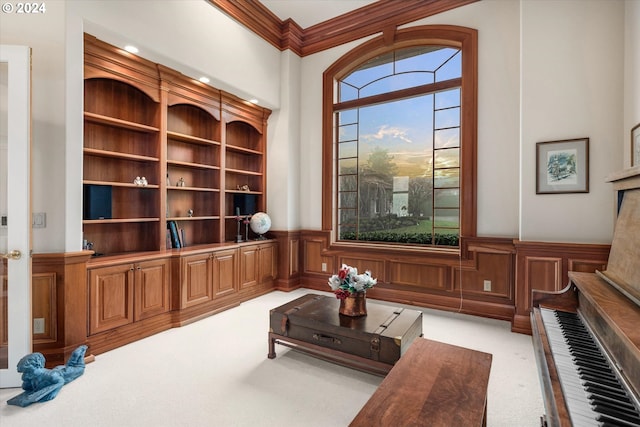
(324, 266)
(487, 285)
(38, 325)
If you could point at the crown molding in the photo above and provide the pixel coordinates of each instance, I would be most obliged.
(381, 16)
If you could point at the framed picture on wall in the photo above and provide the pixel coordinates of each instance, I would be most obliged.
(635, 145)
(562, 166)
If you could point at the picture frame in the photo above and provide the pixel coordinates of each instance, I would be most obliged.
(635, 145)
(562, 166)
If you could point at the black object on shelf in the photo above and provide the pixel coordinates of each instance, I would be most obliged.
(97, 202)
(246, 203)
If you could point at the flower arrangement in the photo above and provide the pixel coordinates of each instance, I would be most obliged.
(348, 282)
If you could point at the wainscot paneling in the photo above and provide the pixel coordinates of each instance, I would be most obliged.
(489, 277)
(44, 306)
(545, 266)
(59, 295)
(446, 279)
(288, 259)
(419, 275)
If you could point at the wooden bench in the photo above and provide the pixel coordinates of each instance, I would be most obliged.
(433, 384)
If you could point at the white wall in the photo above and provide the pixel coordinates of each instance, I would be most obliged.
(44, 33)
(572, 87)
(283, 149)
(631, 74)
(193, 37)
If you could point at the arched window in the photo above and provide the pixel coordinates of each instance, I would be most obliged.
(400, 139)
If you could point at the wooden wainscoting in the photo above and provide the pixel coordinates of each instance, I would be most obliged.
(44, 306)
(59, 296)
(449, 279)
(456, 282)
(288, 277)
(545, 266)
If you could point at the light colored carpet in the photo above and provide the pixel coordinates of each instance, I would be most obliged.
(215, 372)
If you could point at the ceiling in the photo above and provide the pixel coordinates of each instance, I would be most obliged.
(310, 12)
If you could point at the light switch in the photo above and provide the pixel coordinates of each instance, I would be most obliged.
(39, 220)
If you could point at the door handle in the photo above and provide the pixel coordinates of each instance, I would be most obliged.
(326, 339)
(14, 254)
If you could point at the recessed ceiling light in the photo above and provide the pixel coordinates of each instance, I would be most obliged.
(131, 49)
(204, 79)
(253, 101)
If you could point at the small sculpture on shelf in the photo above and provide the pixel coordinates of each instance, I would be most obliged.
(190, 213)
(244, 187)
(180, 182)
(142, 182)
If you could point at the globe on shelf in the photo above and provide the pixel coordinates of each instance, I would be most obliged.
(260, 223)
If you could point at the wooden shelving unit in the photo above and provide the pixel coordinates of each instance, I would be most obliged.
(245, 126)
(193, 161)
(195, 145)
(121, 142)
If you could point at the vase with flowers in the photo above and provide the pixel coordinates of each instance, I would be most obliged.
(351, 289)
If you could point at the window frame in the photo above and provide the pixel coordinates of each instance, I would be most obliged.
(463, 38)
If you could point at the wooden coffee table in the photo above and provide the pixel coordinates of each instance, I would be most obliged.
(372, 343)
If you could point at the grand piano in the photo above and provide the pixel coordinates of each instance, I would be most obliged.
(586, 337)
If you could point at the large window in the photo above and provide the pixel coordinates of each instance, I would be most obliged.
(403, 142)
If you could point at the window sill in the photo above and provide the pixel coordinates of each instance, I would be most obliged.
(399, 248)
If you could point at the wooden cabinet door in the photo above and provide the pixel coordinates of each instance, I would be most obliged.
(248, 266)
(267, 261)
(151, 289)
(258, 265)
(110, 297)
(195, 286)
(225, 272)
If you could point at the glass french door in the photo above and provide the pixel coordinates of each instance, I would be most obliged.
(15, 211)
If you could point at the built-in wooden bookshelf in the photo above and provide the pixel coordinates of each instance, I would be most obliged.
(245, 127)
(193, 158)
(195, 146)
(121, 142)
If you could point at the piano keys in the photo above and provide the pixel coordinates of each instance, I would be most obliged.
(595, 393)
(609, 322)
